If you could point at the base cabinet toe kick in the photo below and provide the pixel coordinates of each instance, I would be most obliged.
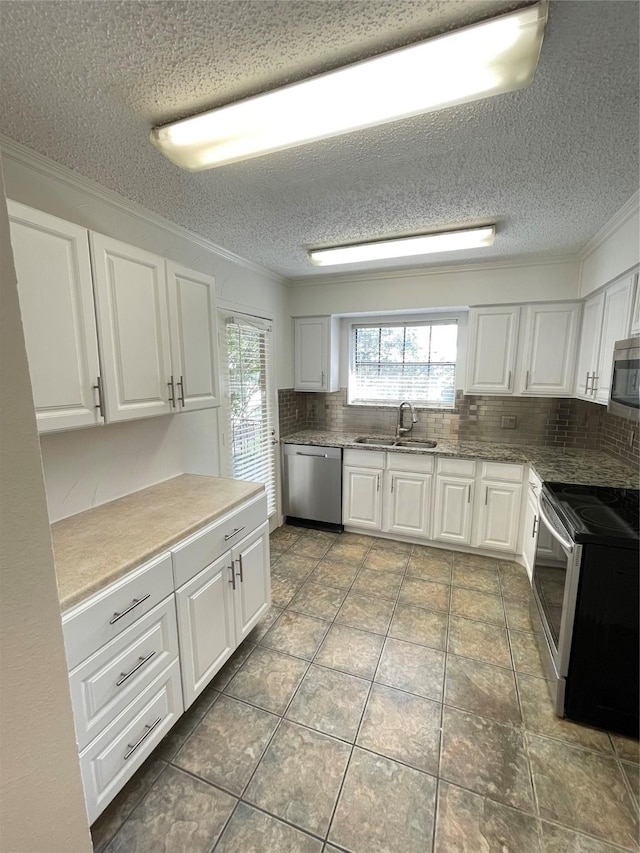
(141, 650)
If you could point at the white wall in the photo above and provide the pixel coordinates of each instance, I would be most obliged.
(615, 251)
(41, 799)
(436, 288)
(86, 467)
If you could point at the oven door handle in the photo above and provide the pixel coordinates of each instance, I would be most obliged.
(567, 544)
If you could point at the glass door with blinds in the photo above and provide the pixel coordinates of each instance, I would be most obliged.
(248, 428)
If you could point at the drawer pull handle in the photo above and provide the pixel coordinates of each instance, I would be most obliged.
(133, 747)
(141, 662)
(231, 535)
(135, 603)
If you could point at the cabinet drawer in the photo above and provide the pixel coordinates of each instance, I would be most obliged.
(507, 471)
(457, 467)
(101, 618)
(205, 546)
(103, 685)
(364, 458)
(411, 462)
(114, 756)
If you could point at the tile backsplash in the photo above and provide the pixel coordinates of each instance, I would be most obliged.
(560, 422)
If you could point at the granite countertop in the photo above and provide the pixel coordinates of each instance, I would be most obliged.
(96, 547)
(564, 465)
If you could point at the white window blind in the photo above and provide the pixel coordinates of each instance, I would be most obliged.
(249, 436)
(395, 362)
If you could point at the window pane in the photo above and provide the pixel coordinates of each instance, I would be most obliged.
(415, 362)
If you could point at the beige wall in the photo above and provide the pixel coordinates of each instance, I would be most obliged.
(615, 255)
(450, 287)
(42, 804)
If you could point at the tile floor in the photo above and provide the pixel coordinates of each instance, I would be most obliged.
(391, 700)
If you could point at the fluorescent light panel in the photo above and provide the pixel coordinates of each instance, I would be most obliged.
(495, 56)
(404, 247)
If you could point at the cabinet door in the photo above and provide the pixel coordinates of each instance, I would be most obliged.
(311, 353)
(133, 327)
(453, 509)
(499, 514)
(616, 321)
(205, 625)
(491, 358)
(56, 302)
(550, 349)
(589, 348)
(530, 534)
(408, 503)
(192, 309)
(252, 595)
(362, 497)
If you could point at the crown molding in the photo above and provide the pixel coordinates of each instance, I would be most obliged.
(623, 215)
(385, 275)
(12, 150)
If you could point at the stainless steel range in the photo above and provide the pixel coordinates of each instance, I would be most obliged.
(585, 603)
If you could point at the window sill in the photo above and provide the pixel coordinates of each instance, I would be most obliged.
(391, 406)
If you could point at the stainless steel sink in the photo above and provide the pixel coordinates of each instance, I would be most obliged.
(376, 442)
(417, 443)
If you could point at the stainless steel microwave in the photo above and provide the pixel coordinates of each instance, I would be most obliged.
(624, 396)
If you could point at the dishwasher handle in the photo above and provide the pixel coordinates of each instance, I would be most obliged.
(314, 455)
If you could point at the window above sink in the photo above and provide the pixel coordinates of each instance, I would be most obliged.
(413, 360)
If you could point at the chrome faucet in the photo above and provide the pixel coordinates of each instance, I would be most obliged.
(400, 429)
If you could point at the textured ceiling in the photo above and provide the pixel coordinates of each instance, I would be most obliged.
(84, 82)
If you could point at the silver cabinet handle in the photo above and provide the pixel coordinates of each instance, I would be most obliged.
(232, 579)
(141, 740)
(180, 384)
(135, 603)
(594, 387)
(100, 404)
(586, 383)
(526, 380)
(141, 662)
(322, 381)
(392, 479)
(535, 524)
(240, 575)
(486, 494)
(172, 395)
(468, 494)
(234, 533)
(377, 482)
(509, 382)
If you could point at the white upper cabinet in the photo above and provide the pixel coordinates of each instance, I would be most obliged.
(589, 349)
(56, 301)
(192, 310)
(493, 338)
(550, 335)
(133, 327)
(316, 353)
(616, 322)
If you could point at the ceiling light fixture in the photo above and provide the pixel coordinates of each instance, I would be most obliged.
(404, 247)
(495, 56)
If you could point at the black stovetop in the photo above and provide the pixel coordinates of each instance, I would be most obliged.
(601, 514)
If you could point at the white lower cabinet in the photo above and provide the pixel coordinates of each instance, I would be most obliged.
(408, 503)
(113, 757)
(499, 516)
(453, 509)
(205, 618)
(362, 497)
(141, 650)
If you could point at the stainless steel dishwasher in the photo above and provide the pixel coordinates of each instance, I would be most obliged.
(313, 485)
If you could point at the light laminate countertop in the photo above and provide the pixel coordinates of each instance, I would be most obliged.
(96, 547)
(552, 464)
